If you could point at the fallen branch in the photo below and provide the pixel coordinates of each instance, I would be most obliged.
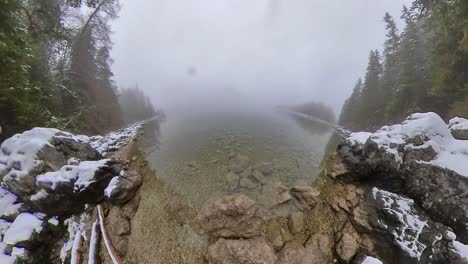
(93, 243)
(75, 253)
(110, 248)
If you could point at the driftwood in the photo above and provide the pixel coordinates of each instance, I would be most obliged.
(107, 241)
(93, 244)
(75, 252)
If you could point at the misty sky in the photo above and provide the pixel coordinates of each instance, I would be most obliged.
(259, 51)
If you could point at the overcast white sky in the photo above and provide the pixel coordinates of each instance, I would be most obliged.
(265, 51)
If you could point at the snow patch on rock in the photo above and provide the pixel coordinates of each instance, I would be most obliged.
(82, 175)
(114, 140)
(461, 249)
(18, 153)
(22, 229)
(418, 131)
(8, 203)
(458, 123)
(75, 228)
(112, 185)
(406, 237)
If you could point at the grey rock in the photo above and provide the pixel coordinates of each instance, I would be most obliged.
(258, 176)
(247, 183)
(126, 187)
(346, 247)
(240, 251)
(296, 253)
(296, 222)
(266, 168)
(239, 163)
(307, 196)
(232, 216)
(273, 234)
(232, 180)
(65, 200)
(281, 198)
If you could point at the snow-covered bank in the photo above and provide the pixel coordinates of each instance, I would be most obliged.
(413, 180)
(422, 132)
(49, 177)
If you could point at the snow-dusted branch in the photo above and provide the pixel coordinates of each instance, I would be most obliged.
(110, 248)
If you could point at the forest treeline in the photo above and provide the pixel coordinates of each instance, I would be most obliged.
(55, 66)
(423, 67)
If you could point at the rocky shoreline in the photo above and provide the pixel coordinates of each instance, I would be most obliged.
(393, 196)
(52, 182)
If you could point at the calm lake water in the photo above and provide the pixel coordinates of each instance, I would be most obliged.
(195, 147)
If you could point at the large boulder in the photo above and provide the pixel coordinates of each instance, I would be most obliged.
(66, 191)
(410, 235)
(241, 251)
(418, 158)
(231, 216)
(122, 188)
(37, 151)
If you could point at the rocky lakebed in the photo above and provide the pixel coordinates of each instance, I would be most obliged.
(230, 196)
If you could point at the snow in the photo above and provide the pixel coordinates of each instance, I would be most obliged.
(461, 249)
(81, 175)
(5, 259)
(458, 123)
(112, 185)
(18, 153)
(114, 140)
(74, 227)
(22, 229)
(406, 237)
(371, 260)
(451, 235)
(8, 205)
(359, 137)
(451, 153)
(19, 252)
(39, 195)
(53, 221)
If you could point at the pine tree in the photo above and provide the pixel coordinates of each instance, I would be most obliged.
(391, 64)
(414, 80)
(351, 112)
(371, 92)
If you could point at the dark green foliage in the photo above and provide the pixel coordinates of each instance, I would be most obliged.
(21, 94)
(52, 74)
(425, 68)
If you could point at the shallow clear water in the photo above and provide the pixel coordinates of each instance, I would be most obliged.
(195, 147)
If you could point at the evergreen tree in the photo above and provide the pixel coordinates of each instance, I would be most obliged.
(135, 105)
(391, 64)
(414, 80)
(350, 116)
(371, 92)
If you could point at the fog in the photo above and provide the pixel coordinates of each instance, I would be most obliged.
(247, 51)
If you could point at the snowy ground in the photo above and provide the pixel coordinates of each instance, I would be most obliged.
(19, 158)
(431, 130)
